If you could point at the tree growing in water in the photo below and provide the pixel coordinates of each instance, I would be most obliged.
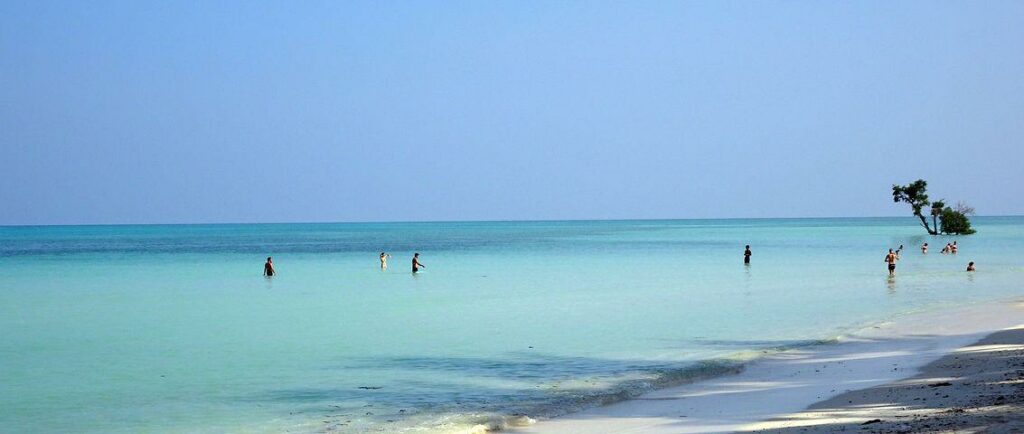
(953, 221)
(916, 194)
(936, 213)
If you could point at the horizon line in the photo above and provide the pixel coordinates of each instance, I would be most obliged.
(28, 225)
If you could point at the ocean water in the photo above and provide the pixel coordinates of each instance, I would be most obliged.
(172, 329)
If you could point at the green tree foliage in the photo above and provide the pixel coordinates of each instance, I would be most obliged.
(916, 194)
(955, 221)
(952, 220)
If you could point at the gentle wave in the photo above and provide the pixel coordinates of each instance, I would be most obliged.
(510, 415)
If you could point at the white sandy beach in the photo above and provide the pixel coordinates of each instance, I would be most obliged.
(773, 393)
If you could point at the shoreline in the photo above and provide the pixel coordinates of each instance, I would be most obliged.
(979, 387)
(780, 385)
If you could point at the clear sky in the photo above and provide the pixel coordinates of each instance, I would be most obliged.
(176, 112)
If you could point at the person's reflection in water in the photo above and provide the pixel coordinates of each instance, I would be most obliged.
(746, 281)
(890, 282)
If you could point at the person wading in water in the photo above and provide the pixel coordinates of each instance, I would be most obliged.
(416, 265)
(891, 259)
(268, 268)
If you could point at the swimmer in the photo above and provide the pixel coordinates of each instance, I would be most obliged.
(384, 260)
(268, 268)
(746, 255)
(891, 259)
(416, 265)
(952, 247)
(970, 266)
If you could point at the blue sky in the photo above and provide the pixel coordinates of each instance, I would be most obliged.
(176, 112)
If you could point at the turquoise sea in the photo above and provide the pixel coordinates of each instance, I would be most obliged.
(173, 329)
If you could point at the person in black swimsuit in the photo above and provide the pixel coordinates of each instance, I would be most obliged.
(891, 259)
(268, 268)
(746, 255)
(416, 265)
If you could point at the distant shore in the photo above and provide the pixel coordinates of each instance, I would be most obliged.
(892, 376)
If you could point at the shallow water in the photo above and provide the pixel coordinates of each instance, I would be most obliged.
(173, 328)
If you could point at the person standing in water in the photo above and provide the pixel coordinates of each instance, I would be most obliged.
(952, 247)
(746, 255)
(416, 265)
(268, 268)
(384, 260)
(924, 248)
(970, 266)
(891, 259)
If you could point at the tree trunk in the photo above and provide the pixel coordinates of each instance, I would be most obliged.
(924, 222)
(935, 222)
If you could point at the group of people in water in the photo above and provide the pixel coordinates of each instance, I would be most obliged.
(416, 265)
(950, 248)
(894, 255)
(891, 258)
(268, 267)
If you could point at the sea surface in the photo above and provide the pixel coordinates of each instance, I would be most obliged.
(173, 329)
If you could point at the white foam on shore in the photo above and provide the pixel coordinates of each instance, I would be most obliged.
(787, 382)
